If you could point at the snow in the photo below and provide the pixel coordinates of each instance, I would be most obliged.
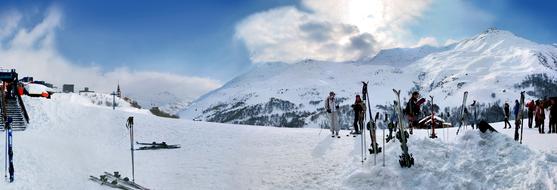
(70, 138)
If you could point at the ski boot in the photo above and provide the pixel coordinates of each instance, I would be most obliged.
(406, 160)
(372, 150)
(433, 136)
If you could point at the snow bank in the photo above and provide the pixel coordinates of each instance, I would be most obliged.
(474, 161)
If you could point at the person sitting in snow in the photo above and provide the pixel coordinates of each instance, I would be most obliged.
(332, 107)
(359, 108)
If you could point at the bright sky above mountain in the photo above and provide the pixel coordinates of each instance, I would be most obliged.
(201, 44)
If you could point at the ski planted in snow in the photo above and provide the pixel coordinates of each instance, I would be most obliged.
(462, 111)
(433, 135)
(372, 126)
(406, 159)
(521, 115)
(9, 162)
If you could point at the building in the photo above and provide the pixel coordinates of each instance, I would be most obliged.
(68, 88)
(86, 89)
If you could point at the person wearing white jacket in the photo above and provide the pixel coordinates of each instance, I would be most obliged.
(332, 107)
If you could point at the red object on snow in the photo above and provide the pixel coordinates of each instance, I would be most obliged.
(44, 94)
(20, 90)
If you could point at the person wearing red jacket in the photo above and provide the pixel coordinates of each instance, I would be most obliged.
(531, 108)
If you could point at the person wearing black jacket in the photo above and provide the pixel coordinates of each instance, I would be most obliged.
(413, 110)
(553, 116)
(359, 108)
(506, 109)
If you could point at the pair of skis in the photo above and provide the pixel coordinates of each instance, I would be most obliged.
(155, 146)
(115, 180)
(461, 119)
(9, 161)
(521, 115)
(371, 126)
(406, 159)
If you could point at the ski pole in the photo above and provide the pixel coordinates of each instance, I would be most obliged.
(384, 147)
(129, 124)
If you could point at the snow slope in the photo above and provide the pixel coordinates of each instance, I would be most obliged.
(69, 139)
(488, 65)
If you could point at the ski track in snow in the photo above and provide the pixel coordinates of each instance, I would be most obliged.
(69, 139)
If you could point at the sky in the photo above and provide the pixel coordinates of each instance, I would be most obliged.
(190, 47)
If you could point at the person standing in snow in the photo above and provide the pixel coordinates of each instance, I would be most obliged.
(475, 114)
(540, 116)
(506, 110)
(531, 108)
(359, 108)
(332, 107)
(413, 110)
(553, 116)
(516, 110)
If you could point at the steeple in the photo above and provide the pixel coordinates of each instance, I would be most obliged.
(118, 92)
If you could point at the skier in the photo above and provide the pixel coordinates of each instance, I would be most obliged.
(540, 116)
(475, 116)
(332, 107)
(553, 116)
(506, 110)
(531, 108)
(359, 108)
(413, 110)
(516, 109)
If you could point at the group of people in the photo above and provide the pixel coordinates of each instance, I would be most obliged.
(412, 111)
(536, 114)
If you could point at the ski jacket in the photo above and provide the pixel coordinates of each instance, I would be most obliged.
(531, 106)
(331, 104)
(412, 107)
(516, 109)
(540, 113)
(359, 109)
(506, 109)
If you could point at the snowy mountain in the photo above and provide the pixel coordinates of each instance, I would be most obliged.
(166, 101)
(491, 66)
(70, 138)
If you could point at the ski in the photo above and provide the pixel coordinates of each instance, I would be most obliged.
(406, 159)
(103, 180)
(116, 176)
(153, 143)
(433, 135)
(521, 115)
(462, 111)
(375, 149)
(156, 147)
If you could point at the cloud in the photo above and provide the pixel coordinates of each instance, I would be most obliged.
(430, 41)
(32, 52)
(330, 30)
